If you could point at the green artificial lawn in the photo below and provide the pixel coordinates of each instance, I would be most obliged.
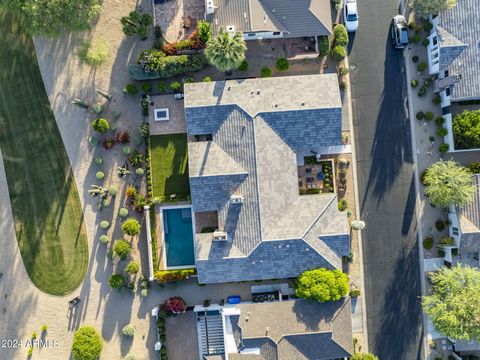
(45, 204)
(170, 165)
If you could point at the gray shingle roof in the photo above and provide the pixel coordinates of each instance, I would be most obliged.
(298, 329)
(469, 215)
(463, 22)
(253, 154)
(295, 18)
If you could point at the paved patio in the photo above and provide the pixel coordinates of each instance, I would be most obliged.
(178, 18)
(176, 122)
(181, 335)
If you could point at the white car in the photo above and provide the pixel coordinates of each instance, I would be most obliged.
(350, 15)
(399, 32)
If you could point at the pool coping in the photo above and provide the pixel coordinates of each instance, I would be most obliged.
(164, 255)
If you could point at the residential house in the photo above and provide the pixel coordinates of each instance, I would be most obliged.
(454, 50)
(267, 19)
(283, 330)
(247, 143)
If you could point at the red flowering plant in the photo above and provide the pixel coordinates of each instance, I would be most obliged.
(174, 305)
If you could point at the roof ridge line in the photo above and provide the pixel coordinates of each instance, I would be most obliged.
(318, 217)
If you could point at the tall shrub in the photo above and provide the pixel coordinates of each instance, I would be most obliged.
(466, 129)
(87, 344)
(322, 285)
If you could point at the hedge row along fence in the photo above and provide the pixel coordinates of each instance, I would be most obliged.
(168, 66)
(166, 276)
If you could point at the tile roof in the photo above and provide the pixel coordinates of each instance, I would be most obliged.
(469, 216)
(253, 154)
(463, 22)
(297, 329)
(295, 18)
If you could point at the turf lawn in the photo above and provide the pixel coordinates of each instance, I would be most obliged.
(170, 165)
(45, 204)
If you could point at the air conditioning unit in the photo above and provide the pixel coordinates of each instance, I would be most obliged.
(231, 28)
(220, 236)
(236, 199)
(210, 8)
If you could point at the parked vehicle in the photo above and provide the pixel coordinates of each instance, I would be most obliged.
(350, 15)
(399, 32)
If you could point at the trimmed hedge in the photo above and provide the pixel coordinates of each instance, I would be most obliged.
(164, 276)
(341, 35)
(339, 53)
(323, 45)
(87, 344)
(169, 66)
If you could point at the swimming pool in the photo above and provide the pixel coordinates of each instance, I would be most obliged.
(178, 231)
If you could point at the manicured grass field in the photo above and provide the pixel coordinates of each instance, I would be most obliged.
(170, 165)
(46, 209)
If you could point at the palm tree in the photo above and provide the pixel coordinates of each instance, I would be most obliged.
(226, 51)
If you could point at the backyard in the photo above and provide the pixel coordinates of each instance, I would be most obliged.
(170, 166)
(47, 213)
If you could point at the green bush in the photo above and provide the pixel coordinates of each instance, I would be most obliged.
(204, 31)
(136, 23)
(437, 99)
(104, 224)
(428, 243)
(415, 58)
(123, 213)
(266, 72)
(342, 205)
(340, 35)
(474, 167)
(175, 85)
(422, 66)
(414, 83)
(132, 268)
(116, 281)
(322, 285)
(323, 46)
(87, 344)
(420, 115)
(447, 241)
(429, 116)
(98, 160)
(343, 71)
(207, 79)
(144, 293)
(427, 26)
(417, 38)
(146, 87)
(162, 87)
(100, 175)
(425, 42)
(428, 82)
(128, 330)
(139, 172)
(282, 64)
(131, 89)
(354, 293)
(443, 148)
(165, 276)
(44, 328)
(130, 356)
(104, 239)
(466, 129)
(112, 191)
(439, 121)
(126, 150)
(422, 91)
(339, 53)
(189, 80)
(243, 66)
(93, 53)
(441, 132)
(131, 227)
(163, 67)
(122, 248)
(100, 125)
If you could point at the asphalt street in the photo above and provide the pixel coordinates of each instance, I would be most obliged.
(386, 186)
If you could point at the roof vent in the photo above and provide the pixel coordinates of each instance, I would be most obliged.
(231, 28)
(228, 88)
(274, 10)
(220, 236)
(236, 199)
(258, 92)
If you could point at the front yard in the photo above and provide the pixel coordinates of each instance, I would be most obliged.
(170, 166)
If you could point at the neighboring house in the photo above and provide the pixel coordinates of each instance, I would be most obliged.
(267, 19)
(246, 143)
(282, 330)
(465, 227)
(454, 50)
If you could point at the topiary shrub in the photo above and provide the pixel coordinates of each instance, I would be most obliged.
(100, 125)
(266, 72)
(422, 91)
(415, 58)
(146, 87)
(162, 87)
(207, 79)
(322, 285)
(122, 248)
(132, 268)
(425, 42)
(112, 191)
(243, 66)
(417, 38)
(175, 86)
(100, 175)
(422, 66)
(139, 172)
(428, 243)
(439, 121)
(429, 116)
(98, 160)
(144, 293)
(116, 281)
(420, 115)
(440, 225)
(87, 344)
(282, 64)
(354, 293)
(414, 83)
(340, 35)
(123, 213)
(339, 53)
(104, 239)
(342, 205)
(323, 46)
(127, 150)
(104, 224)
(437, 99)
(131, 89)
(128, 330)
(443, 148)
(131, 227)
(442, 132)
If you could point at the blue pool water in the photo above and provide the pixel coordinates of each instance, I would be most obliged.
(178, 230)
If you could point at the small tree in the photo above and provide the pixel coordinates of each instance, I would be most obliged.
(282, 64)
(94, 53)
(363, 356)
(424, 8)
(87, 344)
(340, 35)
(128, 330)
(448, 183)
(122, 248)
(131, 227)
(466, 129)
(132, 268)
(454, 303)
(339, 53)
(204, 30)
(226, 51)
(136, 23)
(322, 285)
(116, 281)
(100, 125)
(174, 305)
